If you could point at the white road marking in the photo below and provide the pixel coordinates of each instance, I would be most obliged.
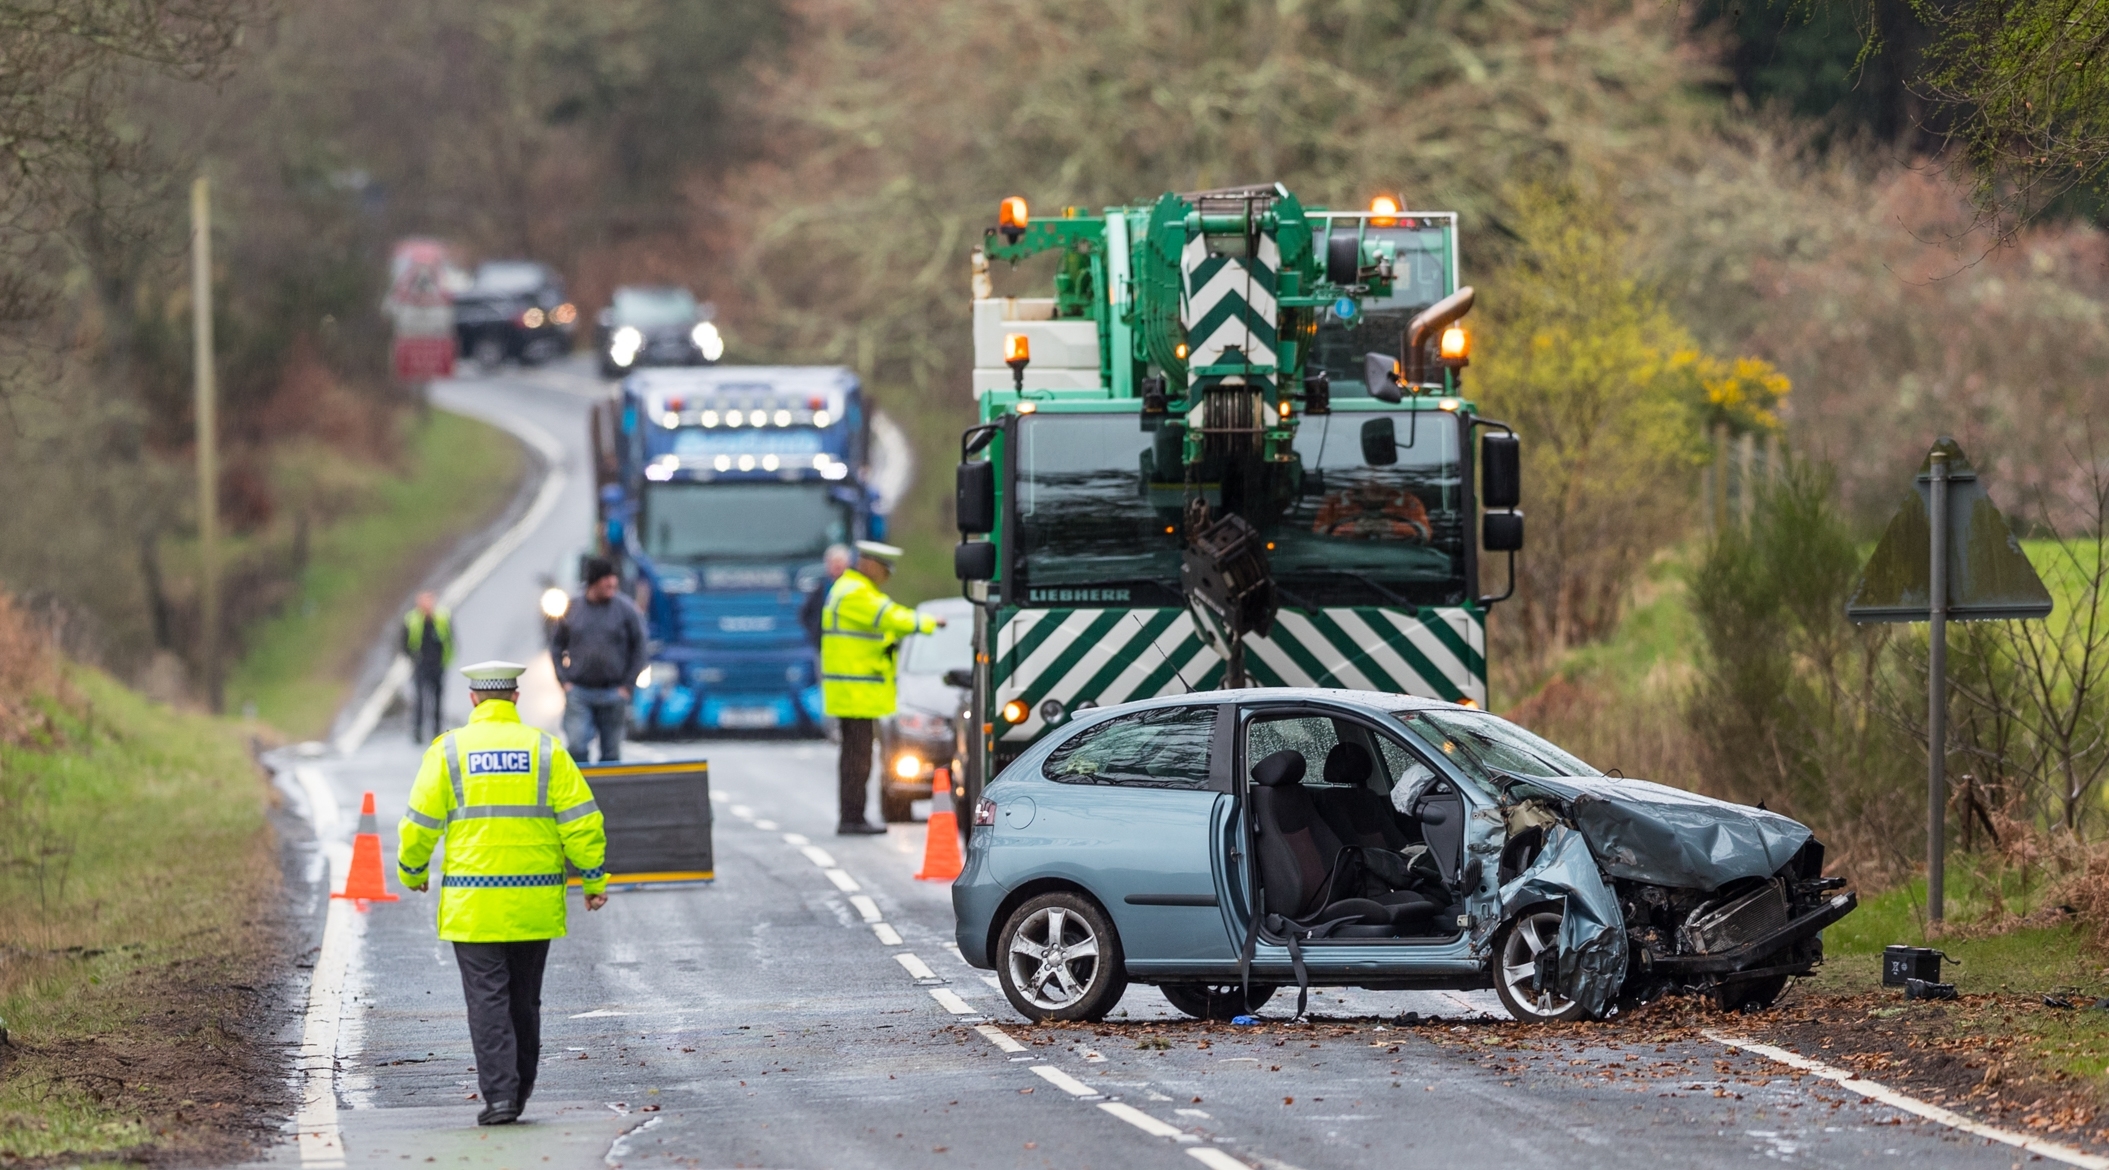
(914, 966)
(766, 826)
(819, 856)
(952, 1003)
(720, 796)
(866, 907)
(797, 839)
(843, 881)
(1216, 1159)
(321, 1143)
(999, 1038)
(1847, 1079)
(596, 1014)
(321, 801)
(888, 936)
(742, 811)
(1192, 1113)
(1145, 1122)
(1063, 1081)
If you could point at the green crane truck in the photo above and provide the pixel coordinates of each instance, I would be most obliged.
(1232, 449)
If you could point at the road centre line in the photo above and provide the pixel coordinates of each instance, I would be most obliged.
(742, 811)
(914, 965)
(1216, 1159)
(867, 908)
(1145, 1122)
(1064, 1081)
(888, 936)
(952, 1003)
(999, 1038)
(797, 839)
(843, 881)
(1847, 1079)
(819, 857)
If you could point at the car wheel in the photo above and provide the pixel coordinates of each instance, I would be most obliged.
(1748, 995)
(1217, 1001)
(895, 808)
(488, 353)
(1516, 952)
(1061, 960)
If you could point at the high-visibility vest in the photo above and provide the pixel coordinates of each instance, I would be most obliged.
(512, 808)
(859, 627)
(414, 633)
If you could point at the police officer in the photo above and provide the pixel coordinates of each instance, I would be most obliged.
(428, 638)
(860, 631)
(512, 808)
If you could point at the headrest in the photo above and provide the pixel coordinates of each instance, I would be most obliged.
(1348, 763)
(1283, 767)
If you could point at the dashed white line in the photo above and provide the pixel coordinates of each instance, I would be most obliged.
(766, 826)
(999, 1038)
(797, 839)
(914, 966)
(866, 907)
(1847, 1079)
(952, 1003)
(1216, 1159)
(1145, 1122)
(888, 936)
(743, 812)
(1062, 1080)
(843, 881)
(1200, 1113)
(819, 856)
(720, 796)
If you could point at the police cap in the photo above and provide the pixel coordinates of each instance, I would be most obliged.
(495, 675)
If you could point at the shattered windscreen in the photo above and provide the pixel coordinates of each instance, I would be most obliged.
(1482, 745)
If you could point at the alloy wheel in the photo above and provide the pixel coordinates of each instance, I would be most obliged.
(1530, 934)
(1054, 958)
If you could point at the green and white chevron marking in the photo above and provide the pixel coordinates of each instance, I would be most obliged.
(1111, 656)
(1229, 304)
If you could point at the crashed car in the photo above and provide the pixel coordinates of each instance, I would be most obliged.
(1223, 844)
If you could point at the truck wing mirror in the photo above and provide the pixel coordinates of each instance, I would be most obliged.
(975, 502)
(1501, 531)
(1500, 470)
(1380, 443)
(974, 560)
(1377, 373)
(959, 676)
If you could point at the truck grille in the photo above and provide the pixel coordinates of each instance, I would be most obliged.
(1728, 925)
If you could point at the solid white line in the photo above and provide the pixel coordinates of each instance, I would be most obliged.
(1063, 1081)
(819, 856)
(322, 801)
(999, 1038)
(914, 966)
(866, 907)
(843, 881)
(456, 591)
(888, 936)
(1847, 1079)
(1216, 1159)
(321, 1143)
(952, 1003)
(1145, 1122)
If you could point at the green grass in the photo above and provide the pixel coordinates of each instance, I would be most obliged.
(299, 663)
(135, 869)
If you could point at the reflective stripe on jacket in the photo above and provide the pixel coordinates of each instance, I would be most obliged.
(512, 808)
(859, 627)
(414, 633)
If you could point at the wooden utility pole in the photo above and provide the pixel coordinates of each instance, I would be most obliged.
(207, 411)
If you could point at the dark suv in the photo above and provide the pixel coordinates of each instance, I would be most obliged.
(655, 327)
(514, 310)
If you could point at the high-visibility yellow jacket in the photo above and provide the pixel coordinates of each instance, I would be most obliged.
(414, 634)
(512, 808)
(859, 628)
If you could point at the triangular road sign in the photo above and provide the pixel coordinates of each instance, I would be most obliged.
(1989, 577)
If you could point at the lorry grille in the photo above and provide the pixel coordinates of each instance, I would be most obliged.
(1723, 926)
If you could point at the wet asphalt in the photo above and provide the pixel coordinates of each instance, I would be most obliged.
(764, 1021)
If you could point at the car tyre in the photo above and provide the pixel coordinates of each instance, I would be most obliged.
(1058, 959)
(1217, 1001)
(1516, 949)
(488, 353)
(1749, 995)
(895, 808)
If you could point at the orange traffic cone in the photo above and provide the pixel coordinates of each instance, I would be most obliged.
(941, 859)
(366, 882)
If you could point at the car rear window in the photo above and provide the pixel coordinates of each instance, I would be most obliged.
(1162, 748)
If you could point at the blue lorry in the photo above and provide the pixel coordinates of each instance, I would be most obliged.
(720, 489)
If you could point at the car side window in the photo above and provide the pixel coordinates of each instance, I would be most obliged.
(1311, 736)
(1164, 748)
(1409, 776)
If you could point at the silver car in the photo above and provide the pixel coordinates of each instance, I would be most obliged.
(917, 738)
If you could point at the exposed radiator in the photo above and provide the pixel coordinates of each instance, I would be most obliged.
(1727, 925)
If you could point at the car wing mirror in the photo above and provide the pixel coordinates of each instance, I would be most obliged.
(959, 676)
(1380, 443)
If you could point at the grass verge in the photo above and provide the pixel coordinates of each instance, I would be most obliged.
(138, 904)
(299, 664)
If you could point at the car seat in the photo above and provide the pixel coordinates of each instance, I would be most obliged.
(1298, 853)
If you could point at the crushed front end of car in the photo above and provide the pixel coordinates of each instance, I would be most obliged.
(1663, 891)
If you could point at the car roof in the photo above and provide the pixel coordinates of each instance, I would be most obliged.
(947, 608)
(1382, 701)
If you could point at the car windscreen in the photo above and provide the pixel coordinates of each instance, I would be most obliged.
(504, 278)
(1481, 745)
(654, 308)
(950, 648)
(1100, 499)
(750, 521)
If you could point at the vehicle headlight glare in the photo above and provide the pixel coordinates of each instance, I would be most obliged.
(821, 418)
(555, 603)
(708, 340)
(644, 678)
(1014, 711)
(907, 767)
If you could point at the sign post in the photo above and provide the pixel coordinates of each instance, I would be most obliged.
(1947, 553)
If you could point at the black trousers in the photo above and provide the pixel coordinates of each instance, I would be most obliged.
(854, 777)
(503, 984)
(428, 687)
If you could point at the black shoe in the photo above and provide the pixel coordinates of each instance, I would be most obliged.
(499, 1113)
(860, 829)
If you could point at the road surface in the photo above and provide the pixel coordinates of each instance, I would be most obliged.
(809, 1009)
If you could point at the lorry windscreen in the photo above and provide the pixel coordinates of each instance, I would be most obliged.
(1098, 524)
(1420, 277)
(748, 521)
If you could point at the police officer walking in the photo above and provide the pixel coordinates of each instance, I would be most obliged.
(860, 632)
(512, 808)
(428, 638)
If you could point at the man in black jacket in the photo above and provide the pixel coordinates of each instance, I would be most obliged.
(599, 648)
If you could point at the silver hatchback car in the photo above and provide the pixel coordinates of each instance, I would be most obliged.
(1223, 844)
